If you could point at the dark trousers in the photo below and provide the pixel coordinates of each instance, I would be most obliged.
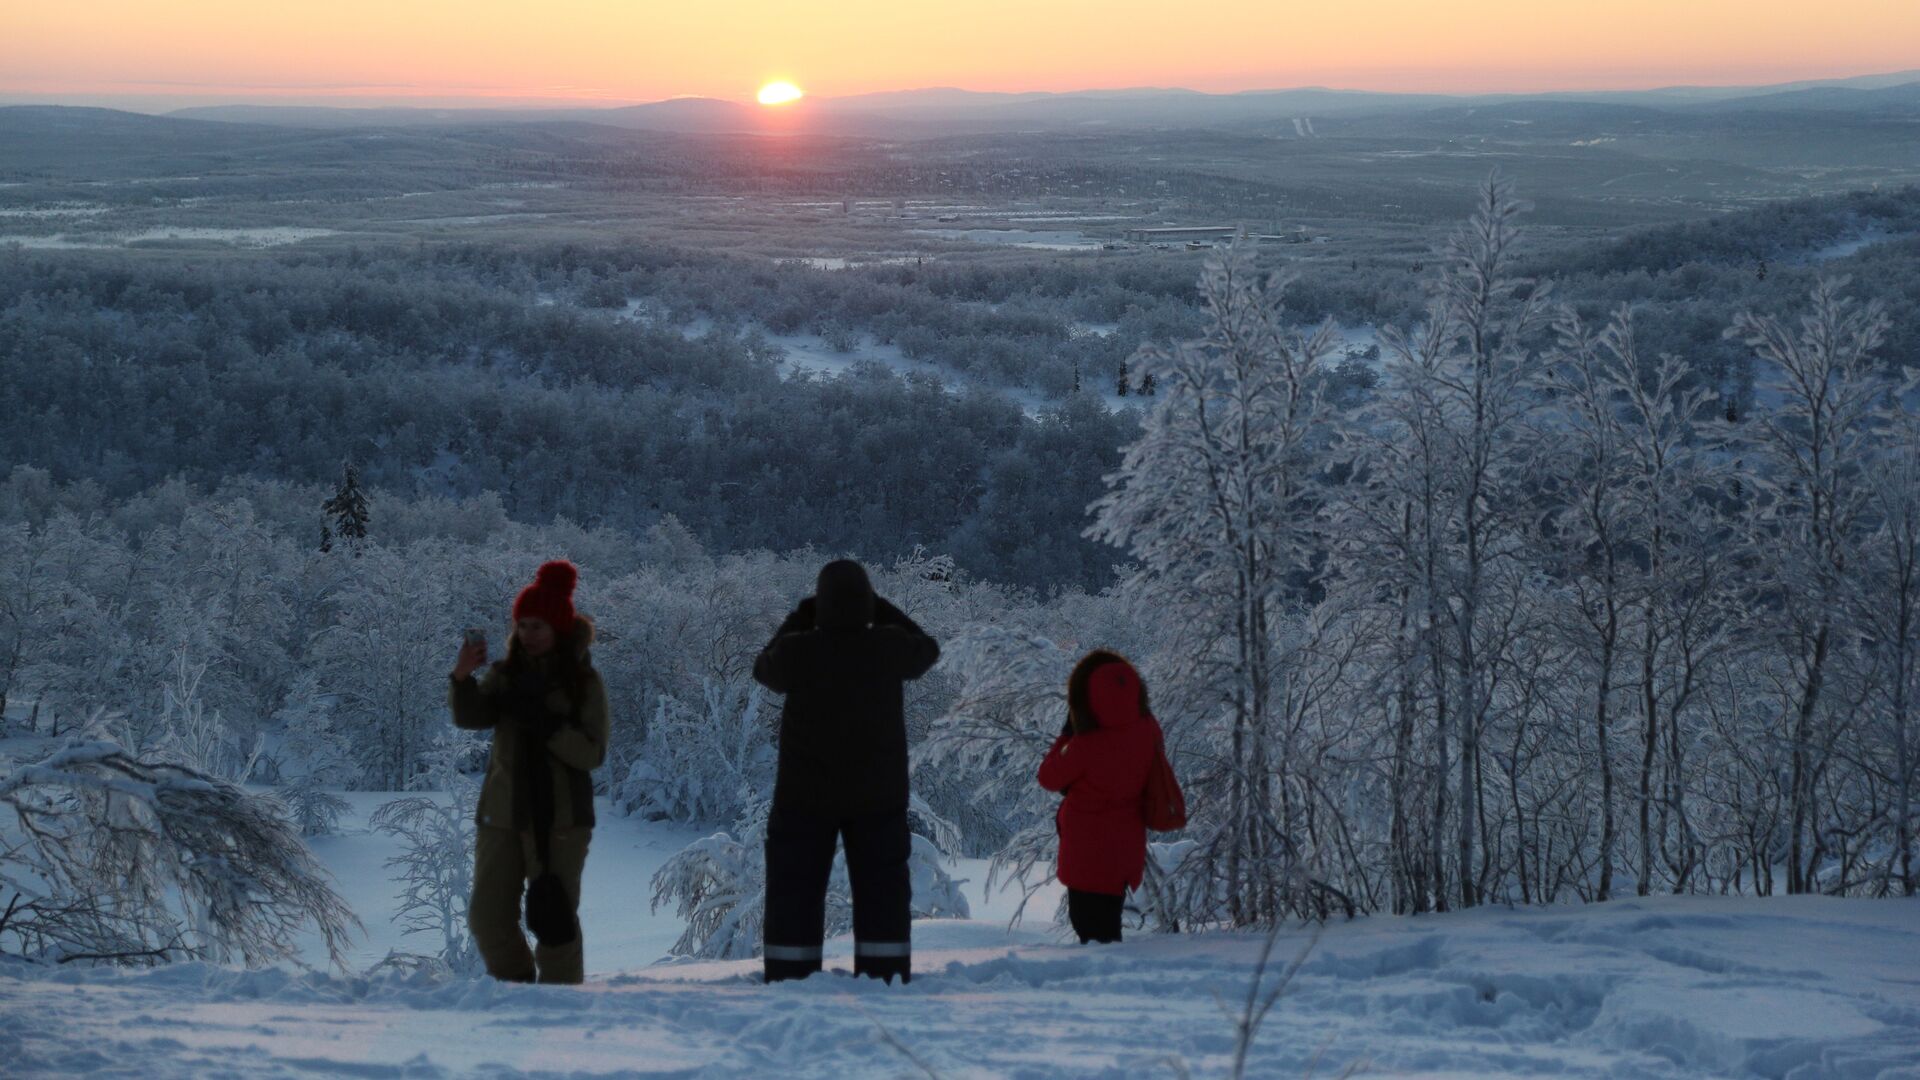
(1095, 916)
(799, 863)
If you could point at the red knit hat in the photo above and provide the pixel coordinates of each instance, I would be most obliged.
(550, 597)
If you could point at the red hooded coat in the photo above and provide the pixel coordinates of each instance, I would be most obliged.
(1103, 771)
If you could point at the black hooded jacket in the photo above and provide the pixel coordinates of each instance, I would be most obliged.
(841, 660)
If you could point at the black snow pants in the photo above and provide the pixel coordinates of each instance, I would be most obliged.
(1095, 916)
(799, 863)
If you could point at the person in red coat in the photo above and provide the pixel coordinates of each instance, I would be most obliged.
(1100, 762)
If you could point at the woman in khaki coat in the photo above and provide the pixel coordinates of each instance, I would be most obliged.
(547, 709)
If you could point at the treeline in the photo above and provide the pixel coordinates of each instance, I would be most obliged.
(463, 369)
(1537, 622)
(440, 382)
(211, 623)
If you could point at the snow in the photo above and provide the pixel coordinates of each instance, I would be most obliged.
(270, 236)
(804, 353)
(842, 262)
(1660, 987)
(1038, 239)
(1853, 245)
(624, 856)
(54, 211)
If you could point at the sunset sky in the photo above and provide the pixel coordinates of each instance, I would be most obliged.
(152, 54)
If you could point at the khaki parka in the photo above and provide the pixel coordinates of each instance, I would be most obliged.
(522, 700)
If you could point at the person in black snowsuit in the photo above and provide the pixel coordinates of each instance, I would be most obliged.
(840, 659)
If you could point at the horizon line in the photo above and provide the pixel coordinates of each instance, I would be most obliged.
(533, 100)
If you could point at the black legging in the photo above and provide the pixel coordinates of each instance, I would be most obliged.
(1095, 916)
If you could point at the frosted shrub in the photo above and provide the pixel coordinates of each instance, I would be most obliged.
(133, 861)
(718, 886)
(436, 858)
(936, 894)
(708, 762)
(313, 810)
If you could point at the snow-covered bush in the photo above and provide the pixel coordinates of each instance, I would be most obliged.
(313, 810)
(133, 861)
(718, 885)
(936, 893)
(705, 762)
(435, 862)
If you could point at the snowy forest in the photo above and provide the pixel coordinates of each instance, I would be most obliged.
(1559, 591)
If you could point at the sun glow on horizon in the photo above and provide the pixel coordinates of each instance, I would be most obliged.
(501, 52)
(779, 93)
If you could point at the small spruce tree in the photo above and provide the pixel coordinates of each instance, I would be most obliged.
(347, 509)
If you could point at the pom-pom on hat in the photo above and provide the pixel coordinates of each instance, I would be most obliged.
(550, 597)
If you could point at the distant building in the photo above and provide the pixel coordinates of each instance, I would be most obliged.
(1180, 234)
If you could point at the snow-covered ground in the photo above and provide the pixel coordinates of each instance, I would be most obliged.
(269, 236)
(1039, 239)
(622, 933)
(1670, 986)
(1852, 245)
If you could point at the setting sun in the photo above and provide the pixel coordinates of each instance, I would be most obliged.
(779, 93)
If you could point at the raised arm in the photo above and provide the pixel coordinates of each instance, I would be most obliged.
(913, 652)
(475, 706)
(1060, 767)
(773, 668)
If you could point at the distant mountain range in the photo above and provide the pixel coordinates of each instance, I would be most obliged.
(946, 110)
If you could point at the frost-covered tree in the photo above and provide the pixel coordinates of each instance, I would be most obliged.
(1890, 606)
(1216, 502)
(1582, 442)
(718, 888)
(383, 661)
(123, 860)
(1445, 488)
(1669, 491)
(29, 593)
(1814, 447)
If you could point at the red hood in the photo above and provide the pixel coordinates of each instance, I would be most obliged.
(1113, 692)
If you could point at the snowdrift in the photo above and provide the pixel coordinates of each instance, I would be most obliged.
(1675, 986)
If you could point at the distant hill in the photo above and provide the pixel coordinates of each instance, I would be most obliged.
(323, 116)
(34, 134)
(950, 110)
(1902, 99)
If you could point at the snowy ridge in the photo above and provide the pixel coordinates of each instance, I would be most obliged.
(1687, 986)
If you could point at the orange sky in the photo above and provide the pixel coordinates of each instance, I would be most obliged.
(617, 51)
